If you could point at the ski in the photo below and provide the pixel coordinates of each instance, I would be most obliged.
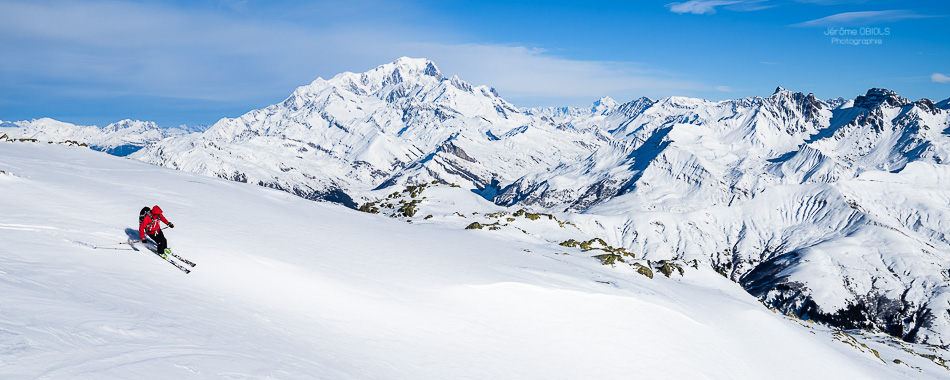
(184, 260)
(169, 259)
(173, 262)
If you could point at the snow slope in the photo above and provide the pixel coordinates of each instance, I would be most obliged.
(287, 288)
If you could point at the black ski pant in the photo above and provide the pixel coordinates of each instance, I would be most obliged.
(159, 239)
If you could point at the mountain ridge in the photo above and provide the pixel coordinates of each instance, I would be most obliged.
(121, 138)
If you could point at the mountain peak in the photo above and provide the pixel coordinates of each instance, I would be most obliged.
(130, 125)
(878, 96)
(402, 70)
(604, 105)
(412, 67)
(781, 92)
(784, 92)
(413, 62)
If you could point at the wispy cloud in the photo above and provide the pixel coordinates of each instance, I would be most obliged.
(118, 48)
(699, 7)
(831, 2)
(533, 77)
(863, 18)
(939, 78)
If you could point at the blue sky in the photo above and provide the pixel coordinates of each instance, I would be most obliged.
(194, 62)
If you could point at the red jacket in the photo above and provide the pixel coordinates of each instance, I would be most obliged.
(150, 223)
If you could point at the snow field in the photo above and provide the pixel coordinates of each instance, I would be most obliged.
(287, 288)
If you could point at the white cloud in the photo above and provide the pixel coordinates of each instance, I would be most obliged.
(113, 48)
(831, 2)
(149, 50)
(939, 78)
(723, 88)
(699, 7)
(532, 77)
(862, 18)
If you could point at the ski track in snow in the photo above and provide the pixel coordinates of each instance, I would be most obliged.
(22, 227)
(288, 288)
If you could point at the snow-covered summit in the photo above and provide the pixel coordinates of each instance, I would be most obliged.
(355, 132)
(411, 71)
(880, 96)
(603, 106)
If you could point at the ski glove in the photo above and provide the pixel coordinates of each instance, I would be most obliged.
(144, 241)
(171, 225)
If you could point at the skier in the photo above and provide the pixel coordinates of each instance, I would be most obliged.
(151, 227)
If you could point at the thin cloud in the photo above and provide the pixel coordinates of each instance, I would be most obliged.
(533, 77)
(699, 7)
(831, 2)
(149, 50)
(939, 78)
(863, 18)
(114, 48)
(751, 6)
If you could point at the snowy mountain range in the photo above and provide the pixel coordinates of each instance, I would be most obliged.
(831, 210)
(120, 138)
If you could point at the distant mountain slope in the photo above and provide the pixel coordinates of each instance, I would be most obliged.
(722, 152)
(121, 138)
(402, 122)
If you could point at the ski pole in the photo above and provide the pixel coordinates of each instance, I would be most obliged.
(101, 246)
(125, 242)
